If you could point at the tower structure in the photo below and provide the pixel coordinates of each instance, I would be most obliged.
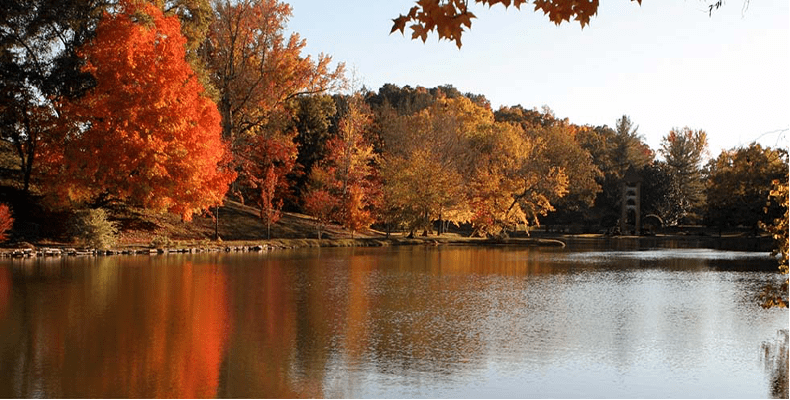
(631, 203)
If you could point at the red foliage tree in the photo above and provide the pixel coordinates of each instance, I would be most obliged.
(263, 172)
(320, 204)
(146, 134)
(6, 222)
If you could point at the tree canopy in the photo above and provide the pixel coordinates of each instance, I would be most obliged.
(38, 41)
(739, 183)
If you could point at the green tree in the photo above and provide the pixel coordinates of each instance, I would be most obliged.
(629, 150)
(684, 151)
(739, 182)
(38, 62)
(659, 196)
(312, 117)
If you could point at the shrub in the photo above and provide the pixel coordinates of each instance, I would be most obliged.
(6, 221)
(92, 228)
(161, 242)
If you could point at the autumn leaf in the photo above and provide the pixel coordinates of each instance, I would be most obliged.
(447, 17)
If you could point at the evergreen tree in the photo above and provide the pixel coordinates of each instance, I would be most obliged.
(683, 151)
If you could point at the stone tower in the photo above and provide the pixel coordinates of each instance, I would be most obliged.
(631, 201)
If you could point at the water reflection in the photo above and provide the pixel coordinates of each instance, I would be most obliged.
(264, 339)
(399, 322)
(5, 292)
(110, 328)
(775, 357)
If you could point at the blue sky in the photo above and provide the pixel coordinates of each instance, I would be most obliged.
(665, 64)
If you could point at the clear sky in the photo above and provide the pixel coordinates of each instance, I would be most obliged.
(665, 63)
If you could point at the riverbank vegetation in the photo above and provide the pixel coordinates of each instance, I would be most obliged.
(207, 110)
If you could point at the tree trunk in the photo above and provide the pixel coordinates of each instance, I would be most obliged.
(216, 223)
(26, 153)
(227, 117)
(31, 155)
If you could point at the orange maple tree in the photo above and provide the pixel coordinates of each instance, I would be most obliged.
(145, 134)
(449, 18)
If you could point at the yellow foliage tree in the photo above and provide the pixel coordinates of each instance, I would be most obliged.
(454, 162)
(773, 297)
(512, 181)
(424, 156)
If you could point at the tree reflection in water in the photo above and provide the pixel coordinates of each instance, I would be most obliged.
(775, 359)
(392, 322)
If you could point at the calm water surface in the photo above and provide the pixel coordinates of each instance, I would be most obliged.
(390, 322)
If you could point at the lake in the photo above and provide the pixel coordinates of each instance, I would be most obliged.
(394, 322)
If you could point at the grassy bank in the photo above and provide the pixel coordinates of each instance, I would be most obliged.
(239, 228)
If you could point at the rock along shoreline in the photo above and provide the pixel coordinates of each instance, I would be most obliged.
(31, 251)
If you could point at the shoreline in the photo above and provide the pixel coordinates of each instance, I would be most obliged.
(27, 250)
(736, 243)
